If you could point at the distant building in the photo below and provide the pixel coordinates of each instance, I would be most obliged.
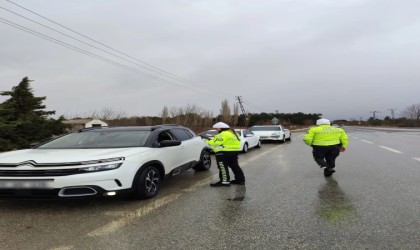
(340, 122)
(77, 124)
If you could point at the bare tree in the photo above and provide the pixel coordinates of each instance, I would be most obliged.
(412, 112)
(176, 114)
(207, 119)
(191, 115)
(108, 114)
(235, 114)
(225, 112)
(147, 121)
(77, 116)
(165, 114)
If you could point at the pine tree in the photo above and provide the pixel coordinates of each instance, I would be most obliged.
(23, 119)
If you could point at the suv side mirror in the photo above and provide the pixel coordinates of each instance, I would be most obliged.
(169, 143)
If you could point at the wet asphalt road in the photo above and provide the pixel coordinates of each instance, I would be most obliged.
(371, 202)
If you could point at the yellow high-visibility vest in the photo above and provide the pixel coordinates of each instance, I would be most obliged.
(326, 135)
(224, 141)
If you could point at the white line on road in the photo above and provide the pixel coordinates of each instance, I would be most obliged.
(367, 141)
(391, 149)
(62, 248)
(244, 163)
(417, 159)
(130, 216)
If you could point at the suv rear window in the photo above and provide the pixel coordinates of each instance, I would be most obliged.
(182, 134)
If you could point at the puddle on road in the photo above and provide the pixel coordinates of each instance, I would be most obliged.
(334, 205)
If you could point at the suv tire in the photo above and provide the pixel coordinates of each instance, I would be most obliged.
(205, 161)
(147, 184)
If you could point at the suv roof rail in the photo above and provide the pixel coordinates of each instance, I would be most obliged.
(91, 128)
(164, 125)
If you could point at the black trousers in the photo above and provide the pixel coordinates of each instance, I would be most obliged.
(226, 160)
(325, 156)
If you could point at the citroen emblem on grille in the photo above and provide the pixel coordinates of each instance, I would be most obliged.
(27, 163)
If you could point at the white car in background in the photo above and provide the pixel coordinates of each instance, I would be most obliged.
(272, 133)
(247, 138)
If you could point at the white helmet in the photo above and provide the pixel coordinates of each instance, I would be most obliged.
(323, 121)
(221, 125)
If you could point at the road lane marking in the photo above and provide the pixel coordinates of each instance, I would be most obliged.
(417, 159)
(367, 141)
(391, 149)
(62, 248)
(127, 218)
(244, 163)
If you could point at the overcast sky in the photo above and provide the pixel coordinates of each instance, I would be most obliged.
(343, 59)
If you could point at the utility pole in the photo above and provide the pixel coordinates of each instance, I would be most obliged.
(374, 113)
(239, 98)
(392, 114)
(374, 116)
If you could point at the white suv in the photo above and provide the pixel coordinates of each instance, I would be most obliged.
(272, 133)
(102, 162)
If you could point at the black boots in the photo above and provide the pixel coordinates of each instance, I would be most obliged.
(220, 184)
(328, 172)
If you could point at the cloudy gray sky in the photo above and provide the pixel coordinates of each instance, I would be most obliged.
(343, 59)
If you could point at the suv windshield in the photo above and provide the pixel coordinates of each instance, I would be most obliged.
(100, 139)
(265, 128)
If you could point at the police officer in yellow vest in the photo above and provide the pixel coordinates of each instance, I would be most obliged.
(327, 142)
(226, 145)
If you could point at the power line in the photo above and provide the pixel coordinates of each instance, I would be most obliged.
(146, 65)
(33, 32)
(93, 46)
(78, 33)
(143, 64)
(51, 39)
(69, 46)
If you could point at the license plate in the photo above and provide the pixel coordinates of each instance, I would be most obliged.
(26, 184)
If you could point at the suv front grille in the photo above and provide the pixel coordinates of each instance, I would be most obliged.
(34, 173)
(61, 169)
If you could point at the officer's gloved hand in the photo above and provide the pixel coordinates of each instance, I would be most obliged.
(204, 137)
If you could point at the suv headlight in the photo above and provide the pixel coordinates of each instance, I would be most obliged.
(102, 165)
